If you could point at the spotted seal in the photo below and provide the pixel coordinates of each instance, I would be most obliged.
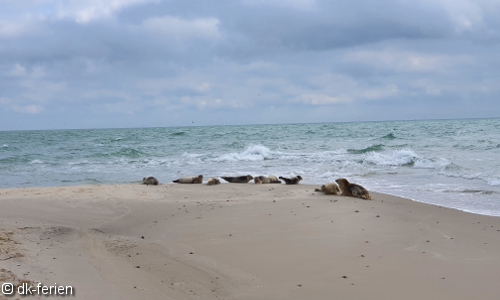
(293, 180)
(264, 179)
(352, 189)
(194, 179)
(330, 188)
(213, 181)
(237, 179)
(149, 180)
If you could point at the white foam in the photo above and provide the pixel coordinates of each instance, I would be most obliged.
(191, 155)
(396, 158)
(430, 164)
(251, 153)
(493, 181)
(36, 161)
(73, 163)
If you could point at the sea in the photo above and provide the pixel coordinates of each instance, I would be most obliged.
(450, 163)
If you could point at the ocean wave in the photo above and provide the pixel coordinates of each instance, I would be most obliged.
(5, 146)
(78, 163)
(389, 136)
(250, 153)
(191, 158)
(471, 191)
(125, 152)
(15, 159)
(179, 133)
(489, 179)
(156, 162)
(424, 163)
(36, 161)
(493, 181)
(373, 148)
(403, 157)
(493, 147)
(92, 181)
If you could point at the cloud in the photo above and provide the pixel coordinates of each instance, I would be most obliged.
(182, 30)
(184, 83)
(18, 71)
(18, 28)
(465, 15)
(203, 103)
(85, 11)
(380, 93)
(295, 4)
(28, 109)
(5, 101)
(318, 99)
(34, 90)
(408, 61)
(245, 61)
(107, 94)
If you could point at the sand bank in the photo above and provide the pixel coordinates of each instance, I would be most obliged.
(244, 241)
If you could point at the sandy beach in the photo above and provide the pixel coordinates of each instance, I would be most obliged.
(243, 241)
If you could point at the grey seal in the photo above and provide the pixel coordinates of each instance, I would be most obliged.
(293, 180)
(194, 179)
(330, 188)
(150, 180)
(268, 179)
(213, 181)
(353, 189)
(237, 179)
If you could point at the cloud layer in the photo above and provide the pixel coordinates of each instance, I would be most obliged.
(135, 63)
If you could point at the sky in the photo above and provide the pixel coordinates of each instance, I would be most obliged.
(156, 63)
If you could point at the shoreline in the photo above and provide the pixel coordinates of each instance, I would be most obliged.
(310, 185)
(244, 241)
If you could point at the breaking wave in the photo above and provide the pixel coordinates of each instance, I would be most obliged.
(404, 157)
(251, 153)
(374, 148)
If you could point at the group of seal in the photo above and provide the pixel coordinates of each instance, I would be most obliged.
(240, 179)
(343, 187)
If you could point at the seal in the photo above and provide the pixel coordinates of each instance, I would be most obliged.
(237, 179)
(330, 188)
(352, 189)
(293, 180)
(213, 181)
(194, 179)
(264, 179)
(150, 180)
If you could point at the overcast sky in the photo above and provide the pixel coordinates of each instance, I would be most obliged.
(149, 63)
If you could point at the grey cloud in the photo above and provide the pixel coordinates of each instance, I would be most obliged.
(143, 62)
